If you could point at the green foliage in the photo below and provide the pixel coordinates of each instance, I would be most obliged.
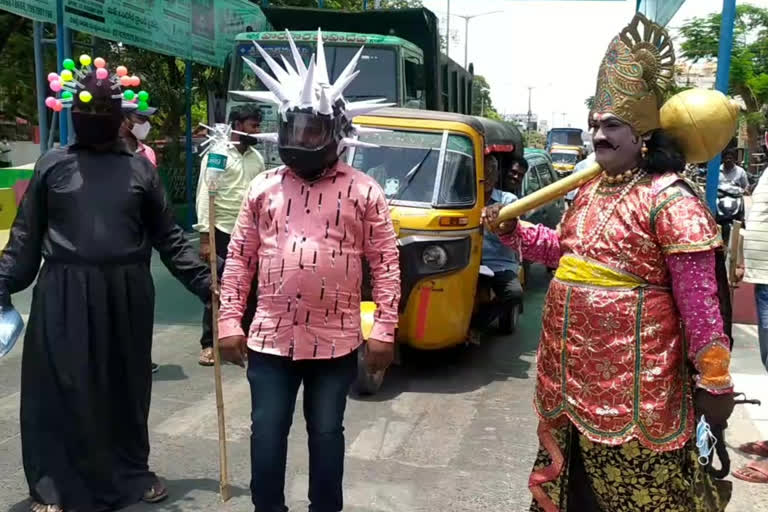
(534, 140)
(749, 59)
(482, 104)
(590, 102)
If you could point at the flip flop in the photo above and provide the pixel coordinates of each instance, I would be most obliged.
(759, 448)
(754, 472)
(155, 494)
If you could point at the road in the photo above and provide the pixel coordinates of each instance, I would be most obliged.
(451, 432)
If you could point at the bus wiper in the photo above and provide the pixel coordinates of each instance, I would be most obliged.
(411, 176)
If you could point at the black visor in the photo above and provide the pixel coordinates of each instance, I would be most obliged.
(304, 130)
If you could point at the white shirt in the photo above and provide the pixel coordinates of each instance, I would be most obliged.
(232, 186)
(756, 235)
(737, 176)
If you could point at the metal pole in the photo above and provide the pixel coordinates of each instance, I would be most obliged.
(528, 126)
(365, 5)
(448, 31)
(63, 51)
(721, 84)
(320, 3)
(466, 41)
(188, 160)
(41, 84)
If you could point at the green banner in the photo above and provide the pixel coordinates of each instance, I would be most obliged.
(39, 10)
(201, 30)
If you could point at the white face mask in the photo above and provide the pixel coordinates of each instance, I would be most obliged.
(140, 131)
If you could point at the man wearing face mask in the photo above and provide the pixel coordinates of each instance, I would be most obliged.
(93, 212)
(635, 258)
(135, 128)
(300, 237)
(244, 163)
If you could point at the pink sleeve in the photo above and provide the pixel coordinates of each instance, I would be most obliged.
(535, 243)
(150, 154)
(380, 249)
(242, 260)
(695, 289)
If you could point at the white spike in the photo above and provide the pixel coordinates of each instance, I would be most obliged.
(360, 108)
(348, 142)
(268, 137)
(297, 60)
(366, 129)
(324, 106)
(337, 90)
(351, 66)
(308, 97)
(322, 66)
(281, 74)
(264, 96)
(273, 85)
(289, 67)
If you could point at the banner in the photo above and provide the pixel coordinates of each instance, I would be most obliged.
(201, 30)
(38, 10)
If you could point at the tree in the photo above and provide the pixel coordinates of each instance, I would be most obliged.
(590, 102)
(749, 59)
(534, 140)
(482, 105)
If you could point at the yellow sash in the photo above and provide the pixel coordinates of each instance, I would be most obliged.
(577, 270)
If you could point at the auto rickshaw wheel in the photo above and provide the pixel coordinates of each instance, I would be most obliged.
(367, 383)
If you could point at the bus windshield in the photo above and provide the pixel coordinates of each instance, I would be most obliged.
(564, 158)
(565, 137)
(377, 78)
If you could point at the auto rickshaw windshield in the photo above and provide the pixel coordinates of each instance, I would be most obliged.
(435, 169)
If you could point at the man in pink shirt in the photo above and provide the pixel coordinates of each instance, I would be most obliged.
(135, 129)
(302, 231)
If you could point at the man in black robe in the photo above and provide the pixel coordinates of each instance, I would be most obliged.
(93, 212)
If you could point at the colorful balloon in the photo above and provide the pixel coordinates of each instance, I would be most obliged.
(102, 74)
(129, 95)
(52, 77)
(50, 101)
(85, 96)
(135, 81)
(66, 75)
(99, 62)
(66, 95)
(57, 106)
(121, 71)
(125, 81)
(143, 105)
(143, 96)
(55, 86)
(85, 60)
(68, 64)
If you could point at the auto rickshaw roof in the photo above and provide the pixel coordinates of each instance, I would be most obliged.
(499, 137)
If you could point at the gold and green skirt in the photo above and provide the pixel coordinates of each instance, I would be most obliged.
(573, 474)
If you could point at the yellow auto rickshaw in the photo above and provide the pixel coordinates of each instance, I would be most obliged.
(430, 166)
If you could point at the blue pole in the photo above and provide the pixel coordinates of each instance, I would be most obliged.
(188, 159)
(63, 51)
(365, 5)
(320, 3)
(721, 84)
(42, 85)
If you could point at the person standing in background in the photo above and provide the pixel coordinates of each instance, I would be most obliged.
(5, 153)
(244, 163)
(135, 129)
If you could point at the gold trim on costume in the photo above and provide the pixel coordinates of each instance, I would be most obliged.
(581, 271)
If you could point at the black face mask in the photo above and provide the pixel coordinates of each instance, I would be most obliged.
(96, 129)
(247, 141)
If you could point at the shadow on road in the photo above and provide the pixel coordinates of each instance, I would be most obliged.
(170, 372)
(464, 369)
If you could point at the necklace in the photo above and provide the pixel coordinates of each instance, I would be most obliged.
(621, 178)
(607, 213)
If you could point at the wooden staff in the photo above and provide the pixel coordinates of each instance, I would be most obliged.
(223, 463)
(734, 245)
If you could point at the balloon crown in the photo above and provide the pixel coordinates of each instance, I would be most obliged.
(68, 84)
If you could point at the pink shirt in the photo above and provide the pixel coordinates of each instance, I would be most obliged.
(307, 240)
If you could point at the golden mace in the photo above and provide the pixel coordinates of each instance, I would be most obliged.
(702, 121)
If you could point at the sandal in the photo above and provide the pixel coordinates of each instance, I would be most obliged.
(39, 507)
(155, 494)
(759, 448)
(754, 472)
(206, 357)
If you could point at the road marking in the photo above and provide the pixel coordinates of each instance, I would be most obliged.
(424, 435)
(200, 419)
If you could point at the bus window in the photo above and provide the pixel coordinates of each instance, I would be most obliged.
(414, 83)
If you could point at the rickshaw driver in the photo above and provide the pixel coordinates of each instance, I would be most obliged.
(502, 260)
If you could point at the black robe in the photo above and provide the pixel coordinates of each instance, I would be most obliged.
(94, 218)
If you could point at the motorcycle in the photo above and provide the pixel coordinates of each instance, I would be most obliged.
(730, 206)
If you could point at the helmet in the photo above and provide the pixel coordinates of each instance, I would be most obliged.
(315, 123)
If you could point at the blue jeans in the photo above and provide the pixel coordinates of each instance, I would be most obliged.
(761, 296)
(274, 384)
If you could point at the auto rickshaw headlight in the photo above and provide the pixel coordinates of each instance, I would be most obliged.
(434, 256)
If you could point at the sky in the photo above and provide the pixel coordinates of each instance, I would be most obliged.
(553, 46)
